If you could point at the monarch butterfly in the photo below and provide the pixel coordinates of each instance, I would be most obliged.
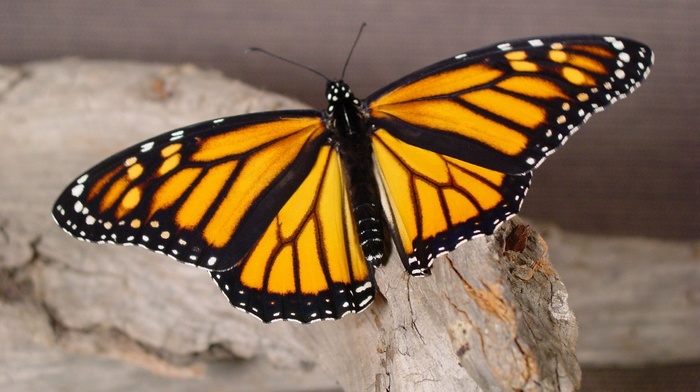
(289, 210)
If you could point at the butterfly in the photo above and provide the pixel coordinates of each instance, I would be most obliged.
(291, 211)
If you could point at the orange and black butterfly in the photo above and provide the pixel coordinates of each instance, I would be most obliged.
(292, 210)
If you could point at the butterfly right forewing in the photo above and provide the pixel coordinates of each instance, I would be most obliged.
(508, 106)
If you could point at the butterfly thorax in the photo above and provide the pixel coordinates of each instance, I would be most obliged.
(343, 107)
(351, 134)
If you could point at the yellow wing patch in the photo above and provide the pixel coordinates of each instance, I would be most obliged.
(194, 190)
(312, 244)
(465, 103)
(440, 84)
(575, 68)
(449, 116)
(308, 264)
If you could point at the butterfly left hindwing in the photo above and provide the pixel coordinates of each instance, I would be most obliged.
(307, 265)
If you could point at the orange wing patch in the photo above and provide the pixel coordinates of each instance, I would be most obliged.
(508, 110)
(464, 103)
(187, 193)
(435, 103)
(444, 83)
(435, 201)
(311, 249)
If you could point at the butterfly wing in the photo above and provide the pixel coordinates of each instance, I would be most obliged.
(314, 240)
(434, 202)
(202, 194)
(494, 113)
(233, 195)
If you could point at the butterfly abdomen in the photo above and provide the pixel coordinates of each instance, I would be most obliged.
(370, 231)
(354, 145)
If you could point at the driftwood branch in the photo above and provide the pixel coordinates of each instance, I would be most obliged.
(493, 316)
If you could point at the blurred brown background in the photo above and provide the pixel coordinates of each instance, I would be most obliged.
(633, 170)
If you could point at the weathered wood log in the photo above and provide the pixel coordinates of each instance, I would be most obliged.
(493, 316)
(637, 299)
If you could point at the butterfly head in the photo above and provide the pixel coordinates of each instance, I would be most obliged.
(338, 94)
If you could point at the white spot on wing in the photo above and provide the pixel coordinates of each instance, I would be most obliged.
(176, 135)
(77, 190)
(365, 302)
(505, 46)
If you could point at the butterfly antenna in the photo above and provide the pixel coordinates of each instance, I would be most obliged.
(347, 61)
(278, 57)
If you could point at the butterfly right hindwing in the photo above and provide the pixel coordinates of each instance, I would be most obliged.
(434, 202)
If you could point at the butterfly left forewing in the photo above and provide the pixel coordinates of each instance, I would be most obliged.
(202, 194)
(308, 264)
